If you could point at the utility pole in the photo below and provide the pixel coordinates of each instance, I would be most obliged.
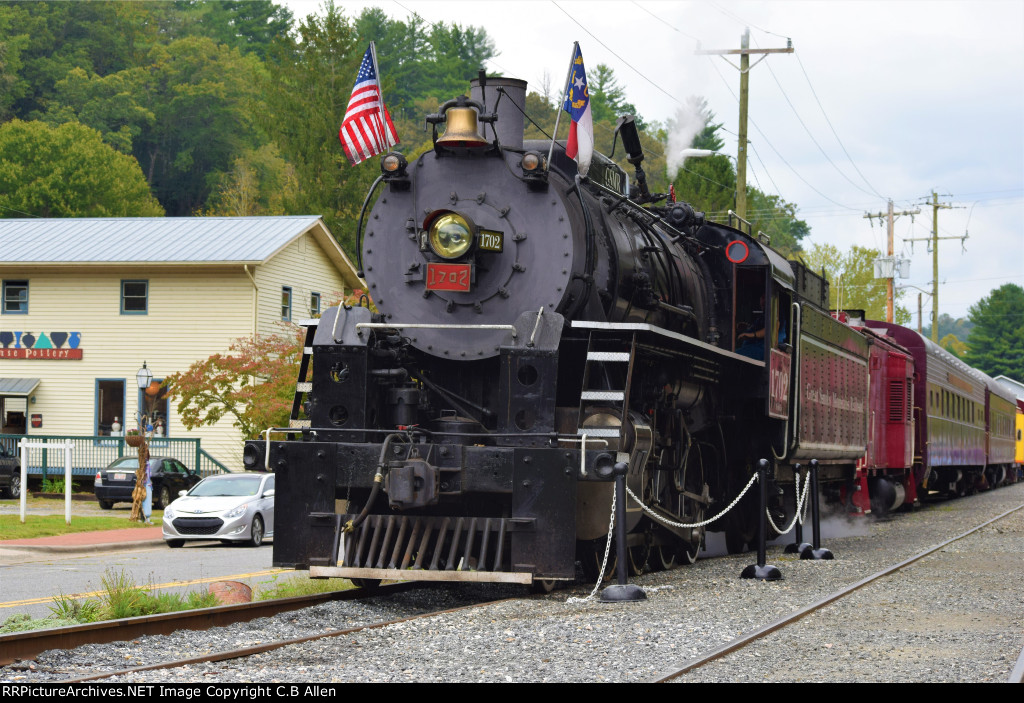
(887, 266)
(744, 68)
(934, 240)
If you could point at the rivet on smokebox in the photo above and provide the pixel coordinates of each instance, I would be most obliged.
(231, 592)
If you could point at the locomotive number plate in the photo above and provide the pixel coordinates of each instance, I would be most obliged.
(453, 277)
(489, 240)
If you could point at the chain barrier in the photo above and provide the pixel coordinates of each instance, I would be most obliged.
(604, 562)
(801, 508)
(659, 518)
(682, 526)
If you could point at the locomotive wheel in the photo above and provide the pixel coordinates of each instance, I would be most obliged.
(638, 557)
(543, 585)
(688, 554)
(368, 585)
(591, 554)
(663, 557)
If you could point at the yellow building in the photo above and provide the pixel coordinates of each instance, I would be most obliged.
(87, 302)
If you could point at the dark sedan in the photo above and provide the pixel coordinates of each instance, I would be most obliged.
(115, 483)
(10, 474)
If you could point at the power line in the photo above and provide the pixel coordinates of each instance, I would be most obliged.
(834, 133)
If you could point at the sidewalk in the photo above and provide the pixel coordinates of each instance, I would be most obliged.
(106, 540)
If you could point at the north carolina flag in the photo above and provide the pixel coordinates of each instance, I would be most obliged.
(577, 103)
(366, 130)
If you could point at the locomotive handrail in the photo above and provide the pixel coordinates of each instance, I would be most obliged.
(797, 321)
(431, 326)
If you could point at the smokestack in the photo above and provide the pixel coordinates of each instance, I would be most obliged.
(512, 105)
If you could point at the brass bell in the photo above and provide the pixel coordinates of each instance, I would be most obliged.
(461, 132)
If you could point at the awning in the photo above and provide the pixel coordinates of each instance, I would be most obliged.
(18, 387)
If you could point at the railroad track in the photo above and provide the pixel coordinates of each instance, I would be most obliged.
(762, 633)
(21, 646)
(271, 646)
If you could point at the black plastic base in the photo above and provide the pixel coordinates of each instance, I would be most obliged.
(762, 573)
(795, 548)
(622, 594)
(817, 554)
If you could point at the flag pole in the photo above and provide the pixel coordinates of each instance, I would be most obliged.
(380, 95)
(561, 102)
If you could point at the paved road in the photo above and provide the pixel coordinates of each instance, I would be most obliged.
(29, 579)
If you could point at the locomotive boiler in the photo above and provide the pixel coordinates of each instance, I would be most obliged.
(532, 328)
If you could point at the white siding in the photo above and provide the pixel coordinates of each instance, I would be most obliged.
(304, 267)
(192, 315)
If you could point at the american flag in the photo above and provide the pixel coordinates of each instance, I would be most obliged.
(367, 129)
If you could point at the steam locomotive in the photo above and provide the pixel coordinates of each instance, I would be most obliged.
(533, 328)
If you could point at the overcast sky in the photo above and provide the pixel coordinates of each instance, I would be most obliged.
(879, 100)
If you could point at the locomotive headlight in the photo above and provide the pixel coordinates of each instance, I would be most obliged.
(393, 165)
(450, 236)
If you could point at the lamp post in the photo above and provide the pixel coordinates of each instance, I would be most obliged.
(144, 377)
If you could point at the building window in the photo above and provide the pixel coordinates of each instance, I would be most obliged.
(110, 418)
(286, 304)
(134, 297)
(314, 304)
(15, 298)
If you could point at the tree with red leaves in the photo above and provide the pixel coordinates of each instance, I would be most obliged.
(254, 383)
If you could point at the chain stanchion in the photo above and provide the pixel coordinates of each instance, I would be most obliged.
(761, 570)
(798, 544)
(621, 592)
(814, 550)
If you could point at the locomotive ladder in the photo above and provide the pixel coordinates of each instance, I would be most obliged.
(303, 386)
(609, 358)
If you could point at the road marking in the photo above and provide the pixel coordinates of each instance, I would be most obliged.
(173, 584)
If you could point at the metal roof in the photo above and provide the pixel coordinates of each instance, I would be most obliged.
(17, 387)
(149, 239)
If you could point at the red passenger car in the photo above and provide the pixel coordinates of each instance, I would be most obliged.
(951, 440)
(889, 458)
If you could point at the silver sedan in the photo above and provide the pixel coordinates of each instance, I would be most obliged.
(227, 507)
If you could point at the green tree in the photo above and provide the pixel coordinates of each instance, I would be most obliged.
(997, 340)
(249, 26)
(259, 183)
(307, 85)
(185, 115)
(68, 171)
(254, 385)
(852, 285)
(953, 345)
(709, 184)
(960, 327)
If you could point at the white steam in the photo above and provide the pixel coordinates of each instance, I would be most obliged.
(682, 128)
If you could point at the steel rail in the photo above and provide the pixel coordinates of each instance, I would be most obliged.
(787, 620)
(228, 654)
(27, 645)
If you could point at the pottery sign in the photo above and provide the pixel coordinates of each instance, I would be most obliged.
(28, 345)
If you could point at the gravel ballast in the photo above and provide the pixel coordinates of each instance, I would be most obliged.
(954, 616)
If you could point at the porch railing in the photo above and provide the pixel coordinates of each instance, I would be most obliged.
(92, 453)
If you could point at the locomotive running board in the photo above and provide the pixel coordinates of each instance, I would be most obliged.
(324, 572)
(666, 334)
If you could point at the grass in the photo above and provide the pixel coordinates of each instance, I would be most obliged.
(50, 525)
(291, 586)
(122, 598)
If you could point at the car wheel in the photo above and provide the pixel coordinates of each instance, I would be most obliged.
(175, 543)
(14, 490)
(256, 539)
(106, 504)
(165, 497)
